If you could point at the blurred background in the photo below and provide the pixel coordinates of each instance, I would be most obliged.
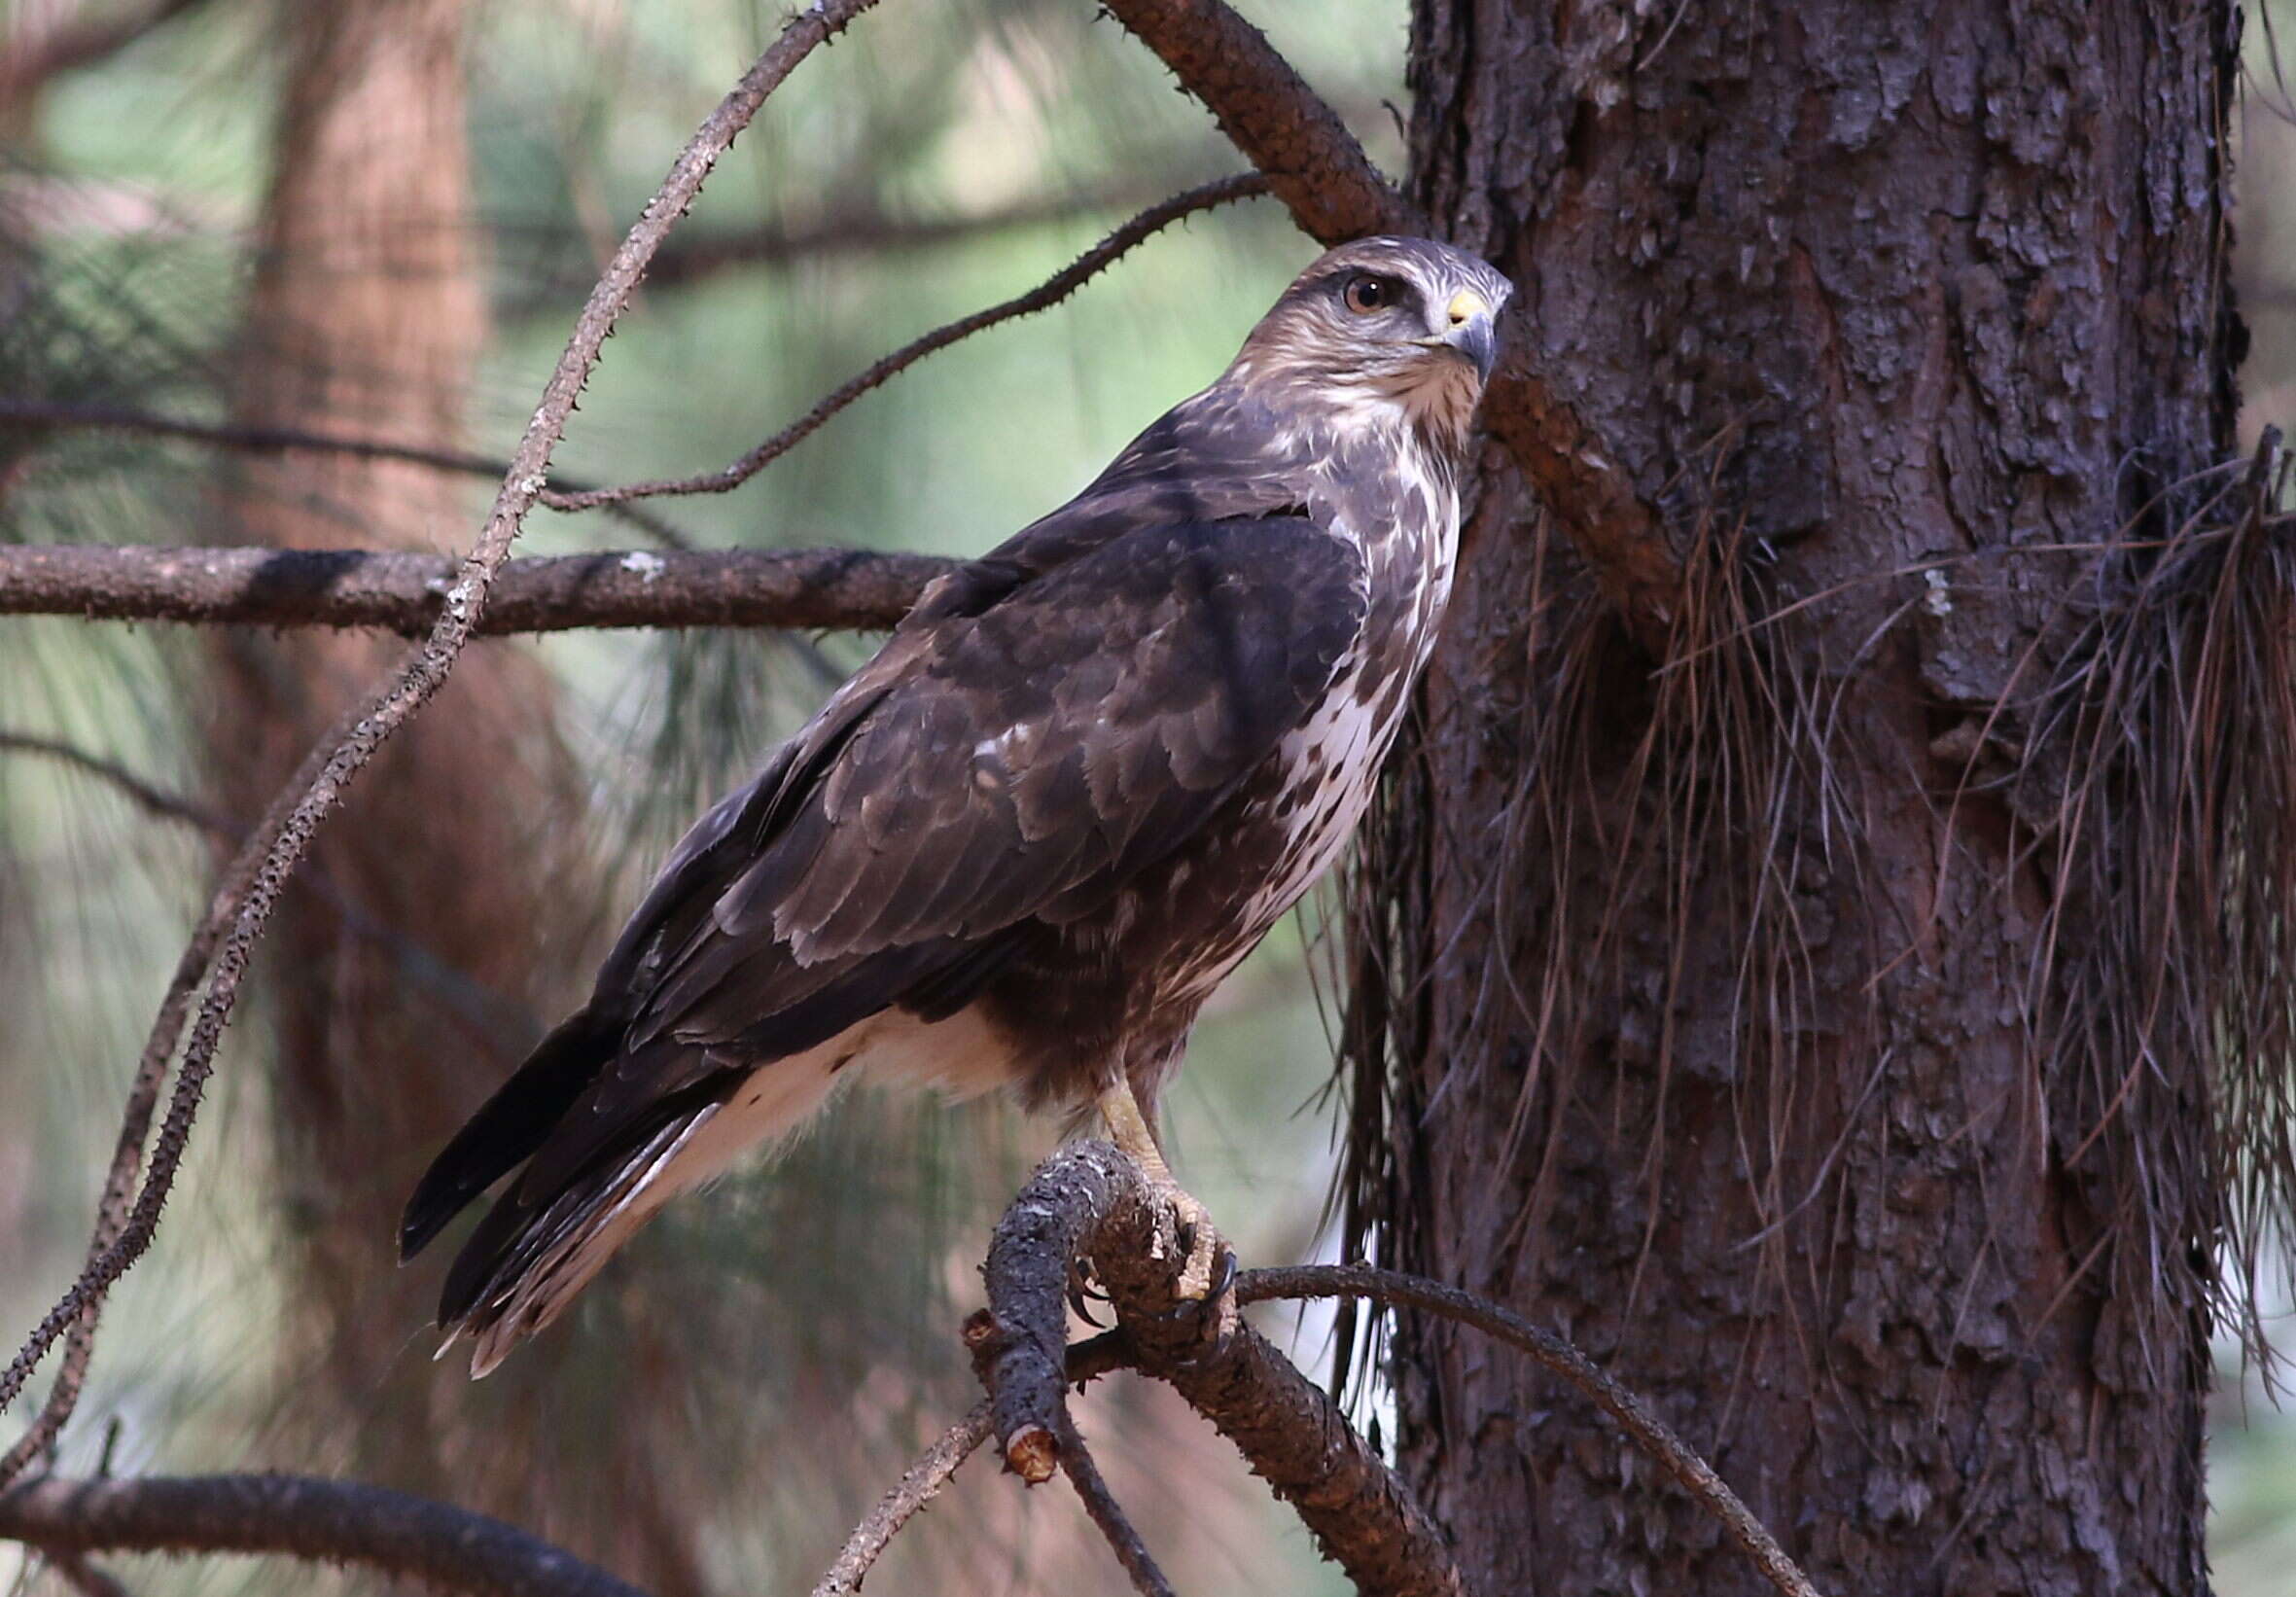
(376, 220)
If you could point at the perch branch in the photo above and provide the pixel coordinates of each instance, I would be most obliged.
(1091, 1201)
(322, 1521)
(847, 588)
(1633, 1415)
(37, 417)
(1334, 193)
(1054, 289)
(244, 902)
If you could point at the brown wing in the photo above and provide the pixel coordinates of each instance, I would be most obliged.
(986, 771)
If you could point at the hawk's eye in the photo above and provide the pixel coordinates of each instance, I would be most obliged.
(1366, 294)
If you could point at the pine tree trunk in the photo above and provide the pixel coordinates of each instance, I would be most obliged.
(1728, 1008)
(406, 981)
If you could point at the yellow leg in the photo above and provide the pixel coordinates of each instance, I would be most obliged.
(1128, 1129)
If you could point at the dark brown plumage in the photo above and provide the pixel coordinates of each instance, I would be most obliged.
(1023, 844)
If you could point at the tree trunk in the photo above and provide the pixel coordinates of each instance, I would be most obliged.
(1765, 995)
(403, 978)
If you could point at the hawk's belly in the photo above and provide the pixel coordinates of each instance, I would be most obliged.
(1115, 994)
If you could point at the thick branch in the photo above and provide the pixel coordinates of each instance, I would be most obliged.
(831, 589)
(1312, 163)
(1091, 1200)
(323, 1521)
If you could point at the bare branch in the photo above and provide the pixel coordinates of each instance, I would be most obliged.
(39, 416)
(1087, 1361)
(1312, 163)
(843, 588)
(322, 1521)
(42, 54)
(245, 902)
(1634, 1416)
(1054, 289)
(1089, 1200)
(919, 1486)
(1100, 1507)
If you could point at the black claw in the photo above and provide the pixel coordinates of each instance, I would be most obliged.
(1223, 1279)
(1082, 1292)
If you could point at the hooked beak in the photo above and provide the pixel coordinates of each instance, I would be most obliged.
(1471, 332)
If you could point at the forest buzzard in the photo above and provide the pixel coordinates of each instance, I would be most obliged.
(1025, 842)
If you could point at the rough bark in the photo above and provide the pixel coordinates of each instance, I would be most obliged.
(404, 592)
(365, 318)
(1719, 1008)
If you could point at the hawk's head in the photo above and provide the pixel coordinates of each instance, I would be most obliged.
(1381, 330)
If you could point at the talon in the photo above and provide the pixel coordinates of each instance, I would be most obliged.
(1080, 1295)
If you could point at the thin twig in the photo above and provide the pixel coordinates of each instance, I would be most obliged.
(1634, 1416)
(39, 1438)
(1102, 1508)
(318, 785)
(923, 1481)
(42, 416)
(505, 1026)
(157, 800)
(1086, 1360)
(1051, 291)
(406, 592)
(853, 230)
(323, 1521)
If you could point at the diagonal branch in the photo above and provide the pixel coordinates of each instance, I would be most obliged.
(1633, 1415)
(919, 1486)
(872, 231)
(323, 1521)
(1054, 289)
(1102, 1508)
(1280, 125)
(252, 885)
(829, 588)
(148, 795)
